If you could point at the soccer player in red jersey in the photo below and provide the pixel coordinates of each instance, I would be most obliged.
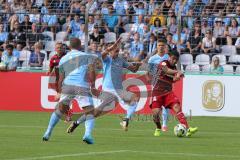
(54, 62)
(163, 95)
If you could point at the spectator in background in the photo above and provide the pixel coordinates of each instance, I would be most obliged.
(138, 26)
(26, 25)
(49, 20)
(194, 41)
(183, 39)
(96, 36)
(156, 27)
(151, 6)
(189, 19)
(104, 8)
(3, 34)
(219, 32)
(33, 37)
(173, 25)
(36, 58)
(152, 46)
(34, 16)
(170, 43)
(234, 30)
(171, 13)
(206, 13)
(91, 24)
(93, 6)
(166, 6)
(136, 52)
(205, 27)
(180, 4)
(74, 25)
(9, 62)
(215, 66)
(75, 7)
(139, 10)
(67, 23)
(237, 15)
(209, 43)
(111, 20)
(12, 20)
(16, 35)
(145, 36)
(198, 6)
(158, 14)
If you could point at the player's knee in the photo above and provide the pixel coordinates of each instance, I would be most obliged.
(176, 108)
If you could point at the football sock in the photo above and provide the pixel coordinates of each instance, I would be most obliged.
(156, 120)
(165, 112)
(52, 123)
(182, 119)
(131, 110)
(89, 124)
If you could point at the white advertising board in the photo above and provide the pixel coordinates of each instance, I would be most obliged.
(211, 95)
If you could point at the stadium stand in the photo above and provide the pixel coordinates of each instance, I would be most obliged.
(25, 22)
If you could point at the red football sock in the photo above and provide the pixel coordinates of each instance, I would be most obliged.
(182, 119)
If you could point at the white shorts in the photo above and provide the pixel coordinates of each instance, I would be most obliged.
(81, 95)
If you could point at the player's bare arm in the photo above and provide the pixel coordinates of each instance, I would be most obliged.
(111, 48)
(134, 68)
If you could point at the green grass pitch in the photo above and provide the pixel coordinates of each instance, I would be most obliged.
(21, 139)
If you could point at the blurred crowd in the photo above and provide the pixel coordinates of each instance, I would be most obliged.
(32, 28)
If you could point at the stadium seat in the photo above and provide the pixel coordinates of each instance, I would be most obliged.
(228, 50)
(202, 59)
(222, 59)
(50, 46)
(49, 34)
(234, 59)
(206, 68)
(46, 64)
(237, 70)
(60, 36)
(110, 37)
(186, 59)
(227, 69)
(192, 68)
(24, 55)
(25, 65)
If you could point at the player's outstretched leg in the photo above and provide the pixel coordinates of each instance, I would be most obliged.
(89, 125)
(54, 119)
(182, 119)
(130, 111)
(165, 113)
(156, 120)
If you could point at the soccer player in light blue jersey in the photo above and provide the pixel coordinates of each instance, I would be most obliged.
(76, 80)
(113, 66)
(153, 62)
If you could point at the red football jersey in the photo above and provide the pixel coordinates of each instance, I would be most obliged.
(163, 83)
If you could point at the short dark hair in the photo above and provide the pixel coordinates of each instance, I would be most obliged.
(174, 53)
(160, 40)
(75, 43)
(9, 46)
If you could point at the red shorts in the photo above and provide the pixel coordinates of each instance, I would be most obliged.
(168, 100)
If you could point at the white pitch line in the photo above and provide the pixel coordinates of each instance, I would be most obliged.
(159, 154)
(187, 154)
(70, 155)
